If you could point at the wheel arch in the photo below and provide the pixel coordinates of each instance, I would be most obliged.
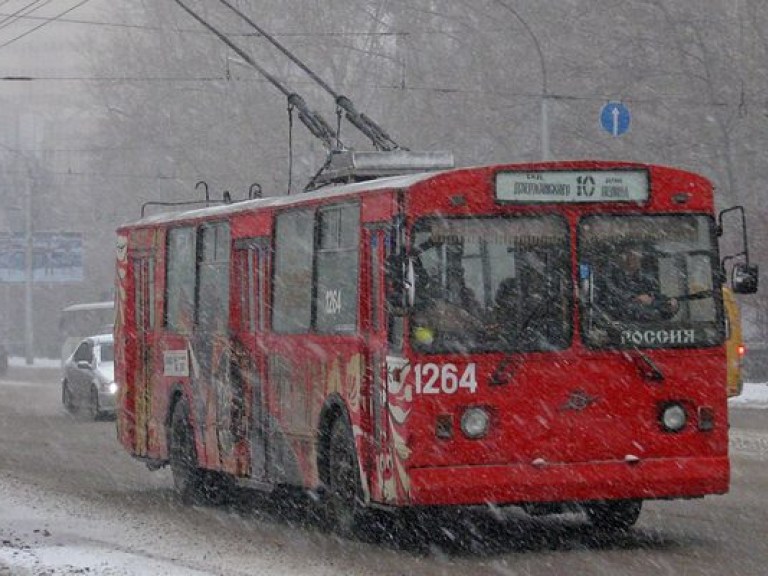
(175, 396)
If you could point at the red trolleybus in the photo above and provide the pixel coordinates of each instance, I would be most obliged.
(450, 338)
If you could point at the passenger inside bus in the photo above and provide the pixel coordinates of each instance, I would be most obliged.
(449, 309)
(528, 308)
(632, 289)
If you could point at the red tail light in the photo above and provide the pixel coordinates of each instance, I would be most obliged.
(742, 349)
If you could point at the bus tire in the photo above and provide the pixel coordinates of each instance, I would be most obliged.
(66, 397)
(188, 478)
(344, 504)
(614, 516)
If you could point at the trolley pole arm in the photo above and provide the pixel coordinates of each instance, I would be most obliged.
(366, 125)
(380, 139)
(315, 123)
(311, 119)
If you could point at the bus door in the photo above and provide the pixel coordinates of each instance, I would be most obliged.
(377, 350)
(218, 386)
(249, 283)
(390, 366)
(143, 274)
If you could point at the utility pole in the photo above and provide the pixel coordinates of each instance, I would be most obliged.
(29, 138)
(29, 336)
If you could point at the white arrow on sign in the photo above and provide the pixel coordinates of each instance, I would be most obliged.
(615, 112)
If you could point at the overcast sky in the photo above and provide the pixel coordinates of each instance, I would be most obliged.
(38, 39)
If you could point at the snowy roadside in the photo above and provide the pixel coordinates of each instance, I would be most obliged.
(18, 362)
(40, 535)
(753, 396)
(53, 534)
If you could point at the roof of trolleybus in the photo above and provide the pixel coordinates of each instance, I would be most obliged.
(681, 189)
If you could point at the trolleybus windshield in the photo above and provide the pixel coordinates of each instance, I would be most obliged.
(647, 281)
(491, 284)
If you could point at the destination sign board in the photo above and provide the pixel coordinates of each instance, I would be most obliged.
(572, 186)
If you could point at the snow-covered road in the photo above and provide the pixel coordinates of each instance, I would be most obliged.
(72, 502)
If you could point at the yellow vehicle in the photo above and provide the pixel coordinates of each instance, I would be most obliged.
(734, 343)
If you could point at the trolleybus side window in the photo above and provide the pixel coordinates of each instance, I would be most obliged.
(491, 284)
(249, 280)
(213, 293)
(180, 287)
(292, 300)
(337, 269)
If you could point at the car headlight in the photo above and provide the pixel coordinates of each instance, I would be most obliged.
(108, 387)
(673, 417)
(475, 422)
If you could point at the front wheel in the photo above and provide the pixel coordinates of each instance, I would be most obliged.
(94, 405)
(66, 397)
(614, 516)
(345, 508)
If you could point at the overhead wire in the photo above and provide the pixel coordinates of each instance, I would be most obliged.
(380, 139)
(11, 18)
(313, 121)
(47, 22)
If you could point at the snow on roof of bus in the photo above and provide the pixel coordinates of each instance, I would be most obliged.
(402, 181)
(89, 306)
(389, 182)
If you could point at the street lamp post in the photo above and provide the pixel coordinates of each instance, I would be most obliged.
(545, 152)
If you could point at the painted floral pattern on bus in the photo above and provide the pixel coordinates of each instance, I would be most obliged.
(392, 472)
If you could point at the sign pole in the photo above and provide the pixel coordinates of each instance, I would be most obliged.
(545, 153)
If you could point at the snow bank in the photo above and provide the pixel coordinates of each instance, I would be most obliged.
(753, 396)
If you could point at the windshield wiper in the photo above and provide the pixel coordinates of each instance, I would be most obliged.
(648, 369)
(502, 374)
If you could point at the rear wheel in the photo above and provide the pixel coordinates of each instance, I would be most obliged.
(345, 509)
(614, 516)
(188, 479)
(194, 484)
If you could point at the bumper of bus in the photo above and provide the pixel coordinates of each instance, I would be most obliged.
(509, 484)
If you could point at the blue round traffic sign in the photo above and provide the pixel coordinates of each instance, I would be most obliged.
(615, 118)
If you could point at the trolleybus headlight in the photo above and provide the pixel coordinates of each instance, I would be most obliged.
(474, 422)
(112, 387)
(673, 417)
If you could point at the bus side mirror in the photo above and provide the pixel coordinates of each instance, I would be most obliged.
(744, 278)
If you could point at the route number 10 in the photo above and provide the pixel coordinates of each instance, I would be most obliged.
(444, 379)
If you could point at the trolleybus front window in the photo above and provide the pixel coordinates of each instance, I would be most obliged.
(492, 284)
(648, 281)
